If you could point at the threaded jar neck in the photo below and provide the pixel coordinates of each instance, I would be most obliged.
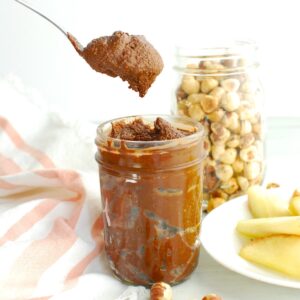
(151, 155)
(216, 59)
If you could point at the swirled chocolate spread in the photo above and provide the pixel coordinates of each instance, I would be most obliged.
(131, 57)
(137, 130)
(152, 195)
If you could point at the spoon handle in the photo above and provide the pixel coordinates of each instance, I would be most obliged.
(43, 16)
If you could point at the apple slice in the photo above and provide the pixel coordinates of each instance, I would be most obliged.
(277, 252)
(294, 206)
(264, 203)
(262, 227)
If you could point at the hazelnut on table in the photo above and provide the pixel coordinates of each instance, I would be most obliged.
(161, 291)
(212, 297)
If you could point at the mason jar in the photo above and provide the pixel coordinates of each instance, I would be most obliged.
(151, 194)
(219, 87)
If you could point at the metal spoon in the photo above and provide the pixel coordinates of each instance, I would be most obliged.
(106, 63)
(43, 16)
(71, 38)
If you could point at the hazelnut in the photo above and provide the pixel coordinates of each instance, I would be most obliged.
(182, 107)
(195, 112)
(218, 193)
(219, 133)
(231, 120)
(252, 170)
(230, 101)
(210, 162)
(249, 154)
(246, 110)
(224, 172)
(256, 118)
(212, 297)
(256, 128)
(247, 140)
(243, 183)
(209, 103)
(217, 151)
(217, 128)
(234, 141)
(220, 140)
(180, 94)
(216, 116)
(195, 98)
(246, 127)
(228, 156)
(214, 202)
(210, 66)
(203, 64)
(238, 166)
(161, 291)
(208, 84)
(230, 85)
(210, 178)
(217, 92)
(190, 85)
(182, 111)
(229, 62)
(230, 186)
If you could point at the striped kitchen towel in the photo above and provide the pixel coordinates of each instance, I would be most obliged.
(51, 230)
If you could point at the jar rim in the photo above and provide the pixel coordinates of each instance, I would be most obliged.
(102, 130)
(243, 52)
(216, 49)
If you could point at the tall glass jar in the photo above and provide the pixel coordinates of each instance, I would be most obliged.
(220, 88)
(151, 193)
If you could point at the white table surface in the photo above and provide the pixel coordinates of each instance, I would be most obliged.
(283, 166)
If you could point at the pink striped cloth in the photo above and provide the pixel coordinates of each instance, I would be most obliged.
(51, 230)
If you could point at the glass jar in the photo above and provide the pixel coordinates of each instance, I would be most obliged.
(219, 87)
(151, 195)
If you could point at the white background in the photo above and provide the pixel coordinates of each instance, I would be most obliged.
(44, 60)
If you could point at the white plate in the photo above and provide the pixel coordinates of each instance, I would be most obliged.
(219, 238)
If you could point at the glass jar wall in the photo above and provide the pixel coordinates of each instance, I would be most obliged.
(220, 88)
(151, 192)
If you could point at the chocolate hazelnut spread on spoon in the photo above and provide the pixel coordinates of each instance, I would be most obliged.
(131, 57)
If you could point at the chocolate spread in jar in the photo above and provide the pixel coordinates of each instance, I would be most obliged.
(151, 194)
(137, 130)
(131, 57)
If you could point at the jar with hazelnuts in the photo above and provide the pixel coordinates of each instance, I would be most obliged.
(219, 87)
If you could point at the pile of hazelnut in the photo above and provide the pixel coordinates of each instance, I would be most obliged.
(226, 99)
